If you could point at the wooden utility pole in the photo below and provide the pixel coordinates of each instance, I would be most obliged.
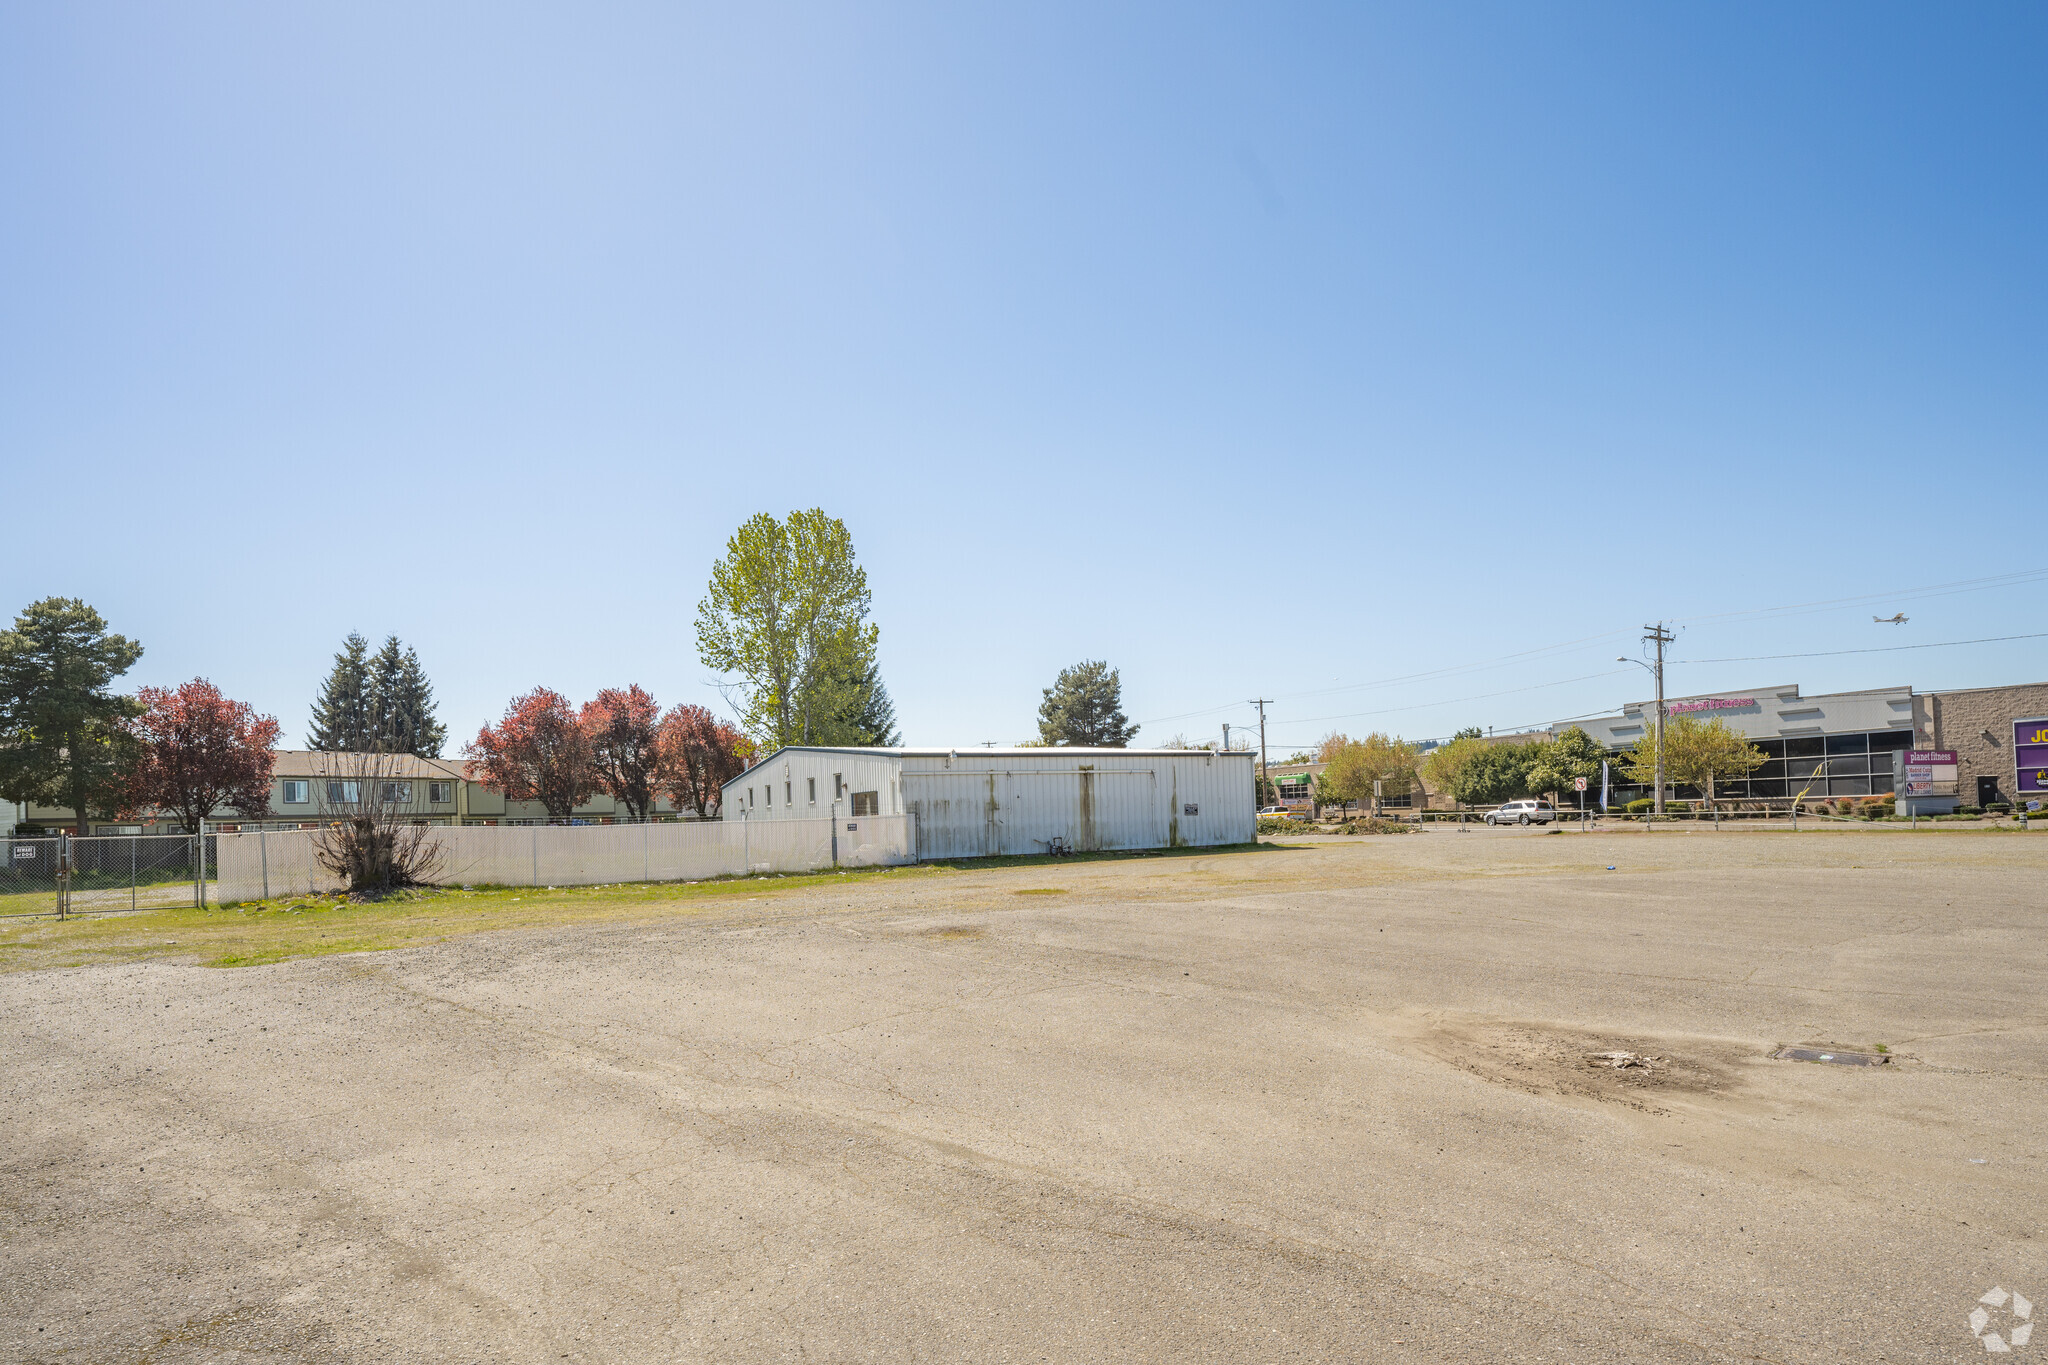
(1660, 637)
(1265, 776)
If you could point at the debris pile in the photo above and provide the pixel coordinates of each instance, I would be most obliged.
(1622, 1061)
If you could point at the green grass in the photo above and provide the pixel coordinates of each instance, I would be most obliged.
(258, 932)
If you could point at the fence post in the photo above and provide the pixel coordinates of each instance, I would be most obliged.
(132, 841)
(536, 855)
(63, 874)
(199, 887)
(263, 851)
(646, 855)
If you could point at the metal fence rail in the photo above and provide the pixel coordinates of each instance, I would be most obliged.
(264, 865)
(107, 872)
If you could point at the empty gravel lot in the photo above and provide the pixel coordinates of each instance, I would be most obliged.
(1328, 1102)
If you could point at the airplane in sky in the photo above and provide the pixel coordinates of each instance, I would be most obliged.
(1896, 619)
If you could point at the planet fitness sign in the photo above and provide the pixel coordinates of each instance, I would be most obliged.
(2030, 755)
(1712, 704)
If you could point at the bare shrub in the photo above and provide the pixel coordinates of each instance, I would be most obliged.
(373, 838)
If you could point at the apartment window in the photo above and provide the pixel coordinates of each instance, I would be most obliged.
(398, 793)
(440, 792)
(295, 793)
(866, 803)
(811, 789)
(341, 793)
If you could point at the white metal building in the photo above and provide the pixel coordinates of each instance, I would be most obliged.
(978, 802)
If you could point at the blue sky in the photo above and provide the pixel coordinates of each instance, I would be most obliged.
(1268, 351)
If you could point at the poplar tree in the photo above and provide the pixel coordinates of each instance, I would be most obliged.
(787, 611)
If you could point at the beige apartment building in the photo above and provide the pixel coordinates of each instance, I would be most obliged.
(308, 786)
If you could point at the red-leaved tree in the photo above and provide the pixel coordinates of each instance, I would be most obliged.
(196, 752)
(699, 755)
(623, 729)
(538, 752)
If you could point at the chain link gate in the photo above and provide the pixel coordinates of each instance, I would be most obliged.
(106, 873)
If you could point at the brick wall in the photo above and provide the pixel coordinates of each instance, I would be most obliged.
(1960, 720)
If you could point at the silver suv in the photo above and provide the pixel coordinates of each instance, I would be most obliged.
(1523, 813)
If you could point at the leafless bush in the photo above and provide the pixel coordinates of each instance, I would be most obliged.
(372, 839)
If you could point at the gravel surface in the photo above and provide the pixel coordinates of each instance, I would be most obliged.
(1344, 1101)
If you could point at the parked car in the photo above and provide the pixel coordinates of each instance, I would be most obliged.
(1523, 813)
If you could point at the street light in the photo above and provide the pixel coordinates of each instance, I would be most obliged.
(1658, 791)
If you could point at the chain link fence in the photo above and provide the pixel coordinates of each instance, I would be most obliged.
(108, 872)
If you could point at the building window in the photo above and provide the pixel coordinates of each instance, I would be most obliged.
(750, 796)
(838, 787)
(341, 793)
(440, 793)
(788, 794)
(811, 788)
(295, 793)
(398, 793)
(867, 803)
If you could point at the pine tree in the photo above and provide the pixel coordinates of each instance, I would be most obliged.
(401, 703)
(342, 719)
(876, 719)
(1085, 707)
(410, 718)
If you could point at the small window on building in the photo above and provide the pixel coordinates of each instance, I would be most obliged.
(295, 793)
(811, 787)
(838, 787)
(440, 792)
(750, 796)
(867, 803)
(398, 793)
(788, 794)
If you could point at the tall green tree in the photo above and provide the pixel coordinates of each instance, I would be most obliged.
(1559, 762)
(62, 734)
(1085, 708)
(1697, 753)
(1496, 773)
(787, 612)
(378, 703)
(401, 703)
(1445, 763)
(343, 721)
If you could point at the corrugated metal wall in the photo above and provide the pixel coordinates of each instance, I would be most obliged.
(977, 804)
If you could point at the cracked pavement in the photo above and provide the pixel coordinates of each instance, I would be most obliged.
(1313, 1104)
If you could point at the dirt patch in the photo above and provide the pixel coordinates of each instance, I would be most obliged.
(955, 931)
(1041, 891)
(1538, 1059)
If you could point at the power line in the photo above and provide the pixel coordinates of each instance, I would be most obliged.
(1877, 649)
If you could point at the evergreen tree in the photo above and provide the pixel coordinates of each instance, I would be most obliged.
(342, 719)
(848, 704)
(401, 703)
(422, 729)
(63, 730)
(1085, 707)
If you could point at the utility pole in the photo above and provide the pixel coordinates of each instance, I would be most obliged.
(1660, 637)
(1265, 776)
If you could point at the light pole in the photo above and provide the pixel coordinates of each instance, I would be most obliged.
(1657, 792)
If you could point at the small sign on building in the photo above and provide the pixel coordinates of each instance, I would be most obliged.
(1191, 809)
